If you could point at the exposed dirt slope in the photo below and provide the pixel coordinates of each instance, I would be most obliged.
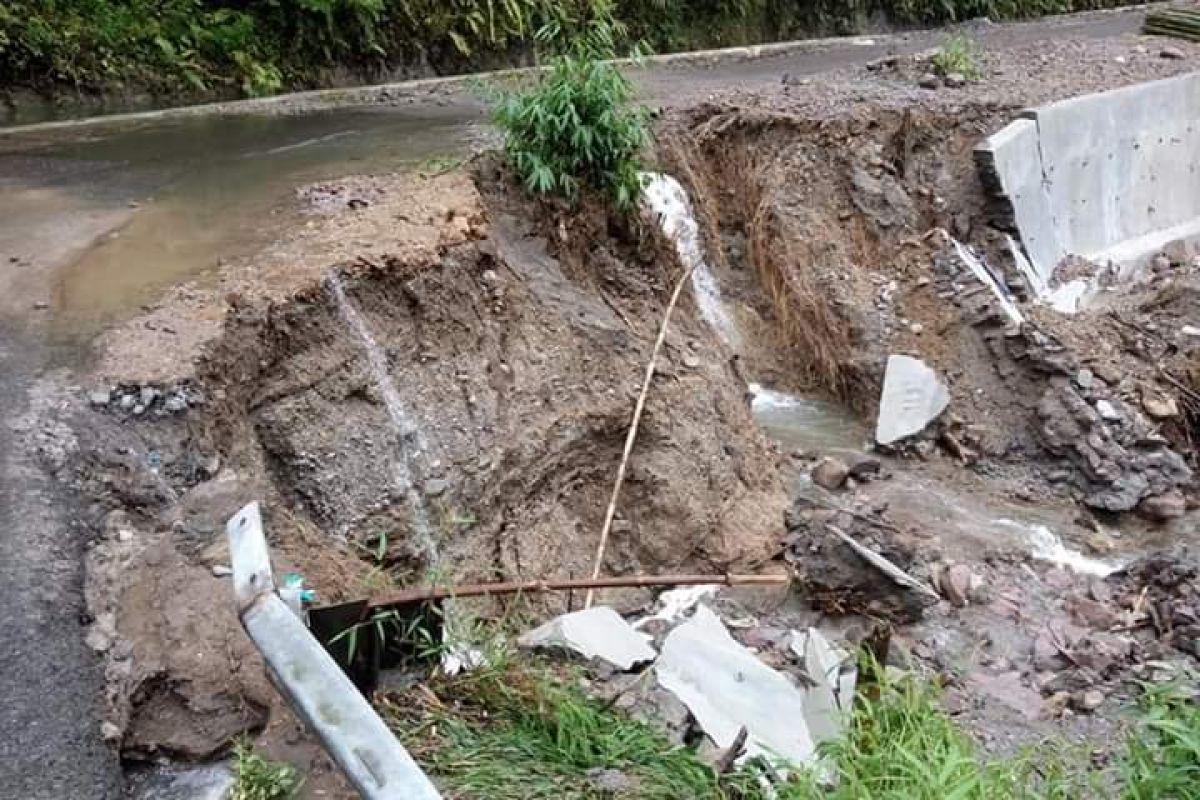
(516, 359)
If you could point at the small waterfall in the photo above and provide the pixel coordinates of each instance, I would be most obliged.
(410, 442)
(668, 200)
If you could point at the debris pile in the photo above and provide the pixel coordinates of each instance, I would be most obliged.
(703, 676)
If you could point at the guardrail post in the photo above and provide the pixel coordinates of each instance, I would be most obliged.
(311, 681)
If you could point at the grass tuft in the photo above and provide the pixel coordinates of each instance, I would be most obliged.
(255, 778)
(958, 55)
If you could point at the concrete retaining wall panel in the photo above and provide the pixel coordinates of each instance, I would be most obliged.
(1117, 167)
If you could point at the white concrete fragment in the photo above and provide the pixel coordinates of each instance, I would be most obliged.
(913, 396)
(726, 688)
(597, 632)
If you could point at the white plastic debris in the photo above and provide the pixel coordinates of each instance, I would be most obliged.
(726, 688)
(913, 396)
(674, 603)
(597, 632)
(832, 669)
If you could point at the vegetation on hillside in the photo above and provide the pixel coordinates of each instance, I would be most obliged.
(262, 46)
(575, 127)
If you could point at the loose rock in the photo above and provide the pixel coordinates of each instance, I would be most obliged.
(956, 80)
(1170, 505)
(955, 583)
(1173, 53)
(830, 473)
(929, 81)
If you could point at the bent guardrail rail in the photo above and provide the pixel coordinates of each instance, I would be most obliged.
(307, 676)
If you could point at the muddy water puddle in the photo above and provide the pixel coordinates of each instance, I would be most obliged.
(121, 217)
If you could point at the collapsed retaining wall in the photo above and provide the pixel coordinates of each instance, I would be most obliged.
(1111, 176)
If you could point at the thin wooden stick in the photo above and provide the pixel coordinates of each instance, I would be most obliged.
(568, 584)
(611, 511)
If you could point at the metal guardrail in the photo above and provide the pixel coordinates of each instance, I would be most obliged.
(321, 694)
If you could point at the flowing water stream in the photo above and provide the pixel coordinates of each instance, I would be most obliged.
(410, 443)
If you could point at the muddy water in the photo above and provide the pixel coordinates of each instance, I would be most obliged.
(112, 220)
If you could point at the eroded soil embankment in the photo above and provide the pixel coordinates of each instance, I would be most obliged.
(839, 228)
(513, 351)
(516, 359)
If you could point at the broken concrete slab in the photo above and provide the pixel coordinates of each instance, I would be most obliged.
(727, 688)
(597, 632)
(913, 396)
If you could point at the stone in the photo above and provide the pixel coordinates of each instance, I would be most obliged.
(1163, 507)
(1085, 378)
(612, 782)
(109, 731)
(955, 582)
(1172, 53)
(597, 632)
(913, 396)
(830, 473)
(1159, 405)
(1108, 411)
(1161, 263)
(929, 81)
(127, 402)
(1088, 700)
(690, 361)
(956, 80)
(148, 395)
(221, 571)
(490, 277)
(175, 403)
(436, 487)
(100, 398)
(865, 468)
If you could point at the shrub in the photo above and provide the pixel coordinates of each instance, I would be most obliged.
(575, 127)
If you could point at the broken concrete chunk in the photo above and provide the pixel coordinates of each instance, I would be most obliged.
(913, 396)
(727, 688)
(596, 632)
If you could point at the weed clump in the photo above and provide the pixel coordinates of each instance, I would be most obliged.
(576, 127)
(958, 55)
(255, 778)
